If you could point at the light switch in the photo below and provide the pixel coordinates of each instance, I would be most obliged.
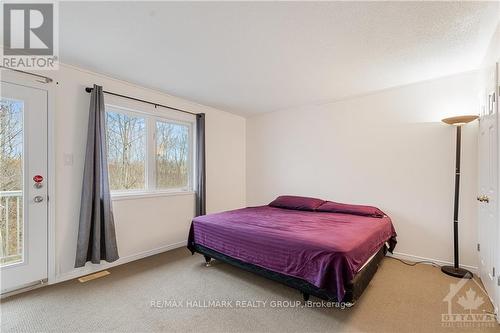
(68, 159)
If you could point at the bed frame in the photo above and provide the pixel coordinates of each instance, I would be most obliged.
(354, 288)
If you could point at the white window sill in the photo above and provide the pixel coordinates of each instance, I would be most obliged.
(117, 196)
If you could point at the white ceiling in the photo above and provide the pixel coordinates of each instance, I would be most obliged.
(250, 57)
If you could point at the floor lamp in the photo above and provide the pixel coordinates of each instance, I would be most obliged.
(455, 270)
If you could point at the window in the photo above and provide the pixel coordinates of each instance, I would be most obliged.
(172, 155)
(148, 153)
(126, 151)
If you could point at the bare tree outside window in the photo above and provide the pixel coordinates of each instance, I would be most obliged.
(11, 180)
(126, 151)
(172, 155)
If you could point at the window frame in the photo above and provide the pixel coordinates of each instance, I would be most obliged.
(130, 113)
(151, 116)
(190, 161)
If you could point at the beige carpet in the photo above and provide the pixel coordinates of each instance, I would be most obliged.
(399, 299)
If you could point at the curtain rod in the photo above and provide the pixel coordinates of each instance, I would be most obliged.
(46, 78)
(89, 90)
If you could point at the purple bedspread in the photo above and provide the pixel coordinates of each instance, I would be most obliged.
(325, 249)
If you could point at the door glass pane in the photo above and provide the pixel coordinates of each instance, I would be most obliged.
(172, 155)
(11, 181)
(126, 136)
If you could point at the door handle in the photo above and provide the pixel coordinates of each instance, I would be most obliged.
(38, 199)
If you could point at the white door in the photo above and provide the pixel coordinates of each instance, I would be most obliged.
(23, 186)
(488, 188)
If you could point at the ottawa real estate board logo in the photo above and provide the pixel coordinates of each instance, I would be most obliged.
(30, 35)
(468, 306)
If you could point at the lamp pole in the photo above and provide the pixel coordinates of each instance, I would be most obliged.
(457, 194)
(455, 270)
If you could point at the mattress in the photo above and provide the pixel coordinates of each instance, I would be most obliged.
(325, 249)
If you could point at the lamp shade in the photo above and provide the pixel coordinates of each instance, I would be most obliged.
(459, 120)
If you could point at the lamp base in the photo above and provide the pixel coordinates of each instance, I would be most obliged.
(456, 272)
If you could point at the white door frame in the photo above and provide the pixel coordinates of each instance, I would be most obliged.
(497, 263)
(32, 82)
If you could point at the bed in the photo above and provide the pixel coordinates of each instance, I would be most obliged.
(322, 248)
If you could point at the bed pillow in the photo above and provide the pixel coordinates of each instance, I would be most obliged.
(336, 207)
(297, 203)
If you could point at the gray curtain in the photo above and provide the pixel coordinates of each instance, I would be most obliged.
(200, 208)
(96, 233)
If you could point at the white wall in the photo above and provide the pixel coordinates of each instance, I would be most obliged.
(388, 149)
(493, 52)
(144, 225)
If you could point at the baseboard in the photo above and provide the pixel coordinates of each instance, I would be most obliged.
(413, 258)
(89, 269)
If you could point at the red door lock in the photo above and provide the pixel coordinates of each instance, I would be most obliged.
(37, 179)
